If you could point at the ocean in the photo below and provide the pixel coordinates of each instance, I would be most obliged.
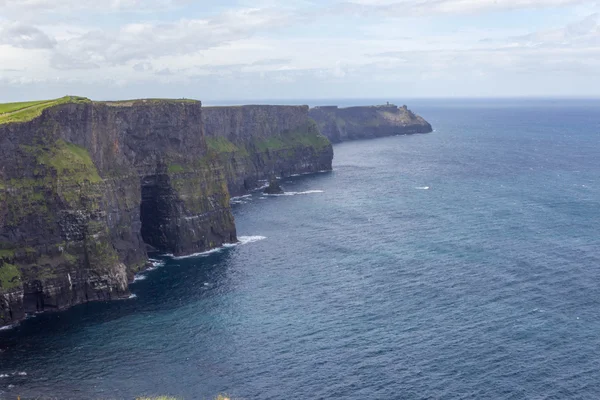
(460, 264)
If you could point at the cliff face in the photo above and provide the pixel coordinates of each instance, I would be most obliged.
(341, 124)
(83, 186)
(253, 143)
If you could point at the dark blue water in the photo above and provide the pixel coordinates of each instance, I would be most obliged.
(484, 285)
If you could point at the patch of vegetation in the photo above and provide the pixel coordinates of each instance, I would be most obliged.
(175, 169)
(12, 107)
(309, 137)
(27, 111)
(71, 162)
(223, 145)
(6, 254)
(63, 171)
(132, 102)
(10, 277)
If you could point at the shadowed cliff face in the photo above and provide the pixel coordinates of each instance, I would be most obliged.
(254, 143)
(84, 185)
(341, 124)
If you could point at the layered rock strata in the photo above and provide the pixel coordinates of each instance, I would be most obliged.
(85, 187)
(254, 143)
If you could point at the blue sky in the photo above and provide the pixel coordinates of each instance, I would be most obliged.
(308, 49)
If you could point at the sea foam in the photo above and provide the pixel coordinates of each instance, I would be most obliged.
(241, 241)
(296, 193)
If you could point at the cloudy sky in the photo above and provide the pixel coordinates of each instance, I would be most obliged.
(306, 49)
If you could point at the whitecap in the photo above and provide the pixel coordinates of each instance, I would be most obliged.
(296, 193)
(133, 296)
(241, 199)
(250, 239)
(7, 327)
(4, 376)
(156, 264)
(139, 277)
(241, 241)
(422, 188)
(22, 373)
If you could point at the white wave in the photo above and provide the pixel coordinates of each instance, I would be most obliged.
(156, 264)
(4, 376)
(422, 188)
(22, 373)
(241, 199)
(241, 241)
(7, 327)
(133, 296)
(139, 277)
(296, 193)
(246, 196)
(250, 239)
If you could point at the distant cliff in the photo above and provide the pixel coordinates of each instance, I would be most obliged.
(341, 124)
(86, 187)
(254, 143)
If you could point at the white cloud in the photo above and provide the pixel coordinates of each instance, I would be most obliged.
(297, 45)
(25, 36)
(146, 41)
(400, 8)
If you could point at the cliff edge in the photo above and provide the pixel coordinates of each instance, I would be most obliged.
(86, 188)
(341, 124)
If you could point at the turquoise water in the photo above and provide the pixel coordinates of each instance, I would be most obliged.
(464, 263)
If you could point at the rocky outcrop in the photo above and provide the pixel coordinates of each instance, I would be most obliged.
(341, 124)
(85, 186)
(254, 143)
(273, 188)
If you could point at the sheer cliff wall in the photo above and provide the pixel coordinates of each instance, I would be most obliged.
(254, 143)
(84, 187)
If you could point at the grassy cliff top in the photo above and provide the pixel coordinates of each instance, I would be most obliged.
(130, 103)
(28, 110)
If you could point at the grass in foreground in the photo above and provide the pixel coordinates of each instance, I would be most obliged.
(26, 111)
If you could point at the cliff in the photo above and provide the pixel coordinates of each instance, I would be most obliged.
(85, 185)
(254, 143)
(341, 124)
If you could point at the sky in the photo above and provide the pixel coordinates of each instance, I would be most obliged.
(298, 49)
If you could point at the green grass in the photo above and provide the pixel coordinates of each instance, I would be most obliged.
(6, 253)
(309, 137)
(175, 169)
(12, 107)
(10, 277)
(27, 111)
(129, 103)
(223, 145)
(71, 162)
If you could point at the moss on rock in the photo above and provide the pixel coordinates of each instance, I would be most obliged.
(10, 277)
